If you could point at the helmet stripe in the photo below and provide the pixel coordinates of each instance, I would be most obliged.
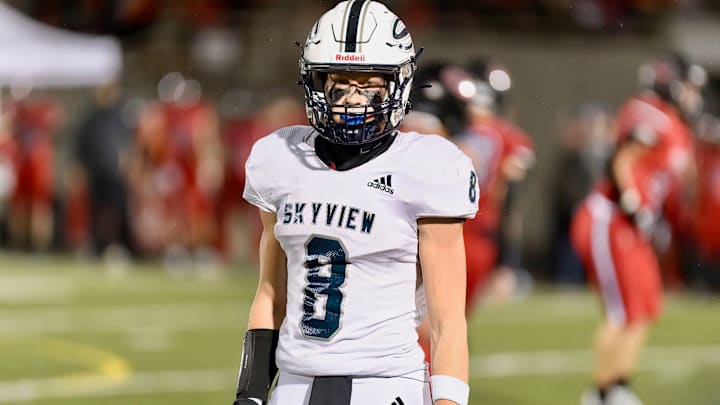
(352, 25)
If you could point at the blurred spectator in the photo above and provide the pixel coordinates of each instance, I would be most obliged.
(31, 219)
(176, 174)
(586, 142)
(98, 184)
(239, 222)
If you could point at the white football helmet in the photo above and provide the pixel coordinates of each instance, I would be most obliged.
(358, 36)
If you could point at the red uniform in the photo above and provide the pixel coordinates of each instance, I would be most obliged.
(489, 144)
(35, 123)
(188, 129)
(704, 223)
(171, 139)
(238, 137)
(617, 255)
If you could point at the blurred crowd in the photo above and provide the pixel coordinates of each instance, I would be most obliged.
(158, 178)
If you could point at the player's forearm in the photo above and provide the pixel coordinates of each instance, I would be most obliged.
(263, 313)
(268, 308)
(271, 302)
(450, 348)
(450, 362)
(622, 166)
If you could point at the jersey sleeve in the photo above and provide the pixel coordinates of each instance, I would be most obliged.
(446, 184)
(642, 122)
(258, 178)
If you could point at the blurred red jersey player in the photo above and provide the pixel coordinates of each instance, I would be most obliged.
(612, 229)
(465, 108)
(502, 153)
(35, 121)
(178, 171)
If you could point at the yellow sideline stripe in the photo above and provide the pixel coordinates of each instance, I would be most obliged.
(109, 365)
(103, 369)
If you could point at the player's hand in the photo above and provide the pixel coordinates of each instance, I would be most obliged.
(642, 216)
(248, 401)
(645, 220)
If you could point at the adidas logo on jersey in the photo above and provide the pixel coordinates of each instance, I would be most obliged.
(383, 183)
(398, 401)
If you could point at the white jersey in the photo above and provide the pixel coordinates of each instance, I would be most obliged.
(351, 243)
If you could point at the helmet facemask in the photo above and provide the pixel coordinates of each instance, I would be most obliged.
(355, 124)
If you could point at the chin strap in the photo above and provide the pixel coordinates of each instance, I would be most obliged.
(346, 157)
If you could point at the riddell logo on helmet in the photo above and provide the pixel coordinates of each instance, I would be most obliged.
(349, 57)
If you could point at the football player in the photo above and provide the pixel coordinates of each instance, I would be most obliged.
(351, 208)
(502, 154)
(612, 229)
(176, 172)
(30, 218)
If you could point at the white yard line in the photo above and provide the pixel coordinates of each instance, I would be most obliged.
(171, 381)
(168, 317)
(34, 290)
(51, 288)
(668, 361)
(682, 361)
(185, 316)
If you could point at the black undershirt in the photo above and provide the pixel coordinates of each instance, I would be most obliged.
(345, 157)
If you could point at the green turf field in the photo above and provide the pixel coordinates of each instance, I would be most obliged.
(75, 334)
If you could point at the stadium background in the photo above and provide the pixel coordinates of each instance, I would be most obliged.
(76, 330)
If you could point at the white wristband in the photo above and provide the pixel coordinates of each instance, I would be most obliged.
(450, 388)
(630, 201)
